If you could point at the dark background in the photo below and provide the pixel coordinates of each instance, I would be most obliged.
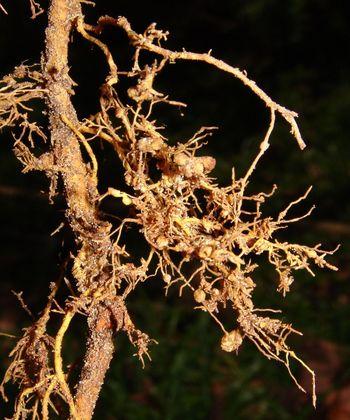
(298, 51)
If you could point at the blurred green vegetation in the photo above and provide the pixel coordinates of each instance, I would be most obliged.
(298, 52)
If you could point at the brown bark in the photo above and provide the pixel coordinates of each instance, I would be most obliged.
(98, 356)
(66, 149)
(80, 190)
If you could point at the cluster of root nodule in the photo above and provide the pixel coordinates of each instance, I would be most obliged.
(190, 223)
